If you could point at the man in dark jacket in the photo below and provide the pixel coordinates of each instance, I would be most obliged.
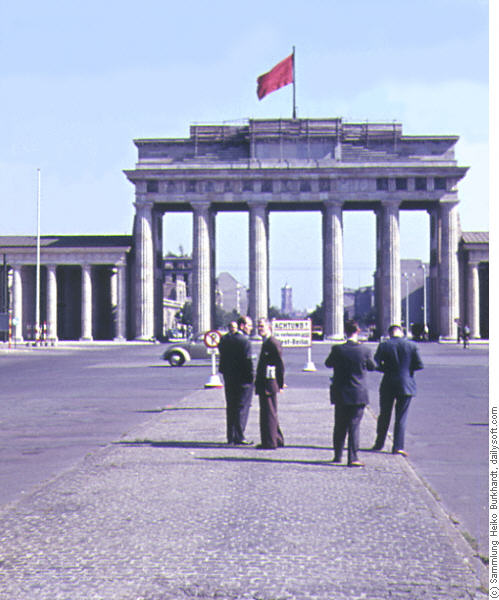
(268, 383)
(349, 394)
(397, 358)
(236, 366)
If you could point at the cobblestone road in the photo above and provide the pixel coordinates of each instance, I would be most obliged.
(169, 512)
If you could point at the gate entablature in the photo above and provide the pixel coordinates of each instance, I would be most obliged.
(301, 164)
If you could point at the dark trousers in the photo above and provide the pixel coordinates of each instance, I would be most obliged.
(238, 401)
(270, 432)
(386, 402)
(347, 418)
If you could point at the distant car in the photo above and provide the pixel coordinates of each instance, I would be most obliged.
(178, 354)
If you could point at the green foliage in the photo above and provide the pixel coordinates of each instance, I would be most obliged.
(317, 316)
(223, 318)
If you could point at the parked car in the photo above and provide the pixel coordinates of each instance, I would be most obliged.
(178, 354)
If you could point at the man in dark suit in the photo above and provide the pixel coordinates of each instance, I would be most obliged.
(268, 383)
(397, 358)
(236, 366)
(349, 394)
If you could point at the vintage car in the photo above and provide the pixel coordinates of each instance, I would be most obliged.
(178, 354)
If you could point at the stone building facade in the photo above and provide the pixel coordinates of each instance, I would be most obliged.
(84, 286)
(323, 165)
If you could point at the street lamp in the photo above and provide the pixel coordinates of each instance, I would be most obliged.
(406, 276)
(423, 266)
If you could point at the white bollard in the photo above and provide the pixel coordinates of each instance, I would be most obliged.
(310, 365)
(214, 380)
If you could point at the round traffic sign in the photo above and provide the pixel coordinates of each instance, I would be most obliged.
(212, 338)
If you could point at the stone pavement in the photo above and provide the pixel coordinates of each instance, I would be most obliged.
(169, 512)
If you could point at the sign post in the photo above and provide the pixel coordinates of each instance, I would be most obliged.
(211, 340)
(295, 334)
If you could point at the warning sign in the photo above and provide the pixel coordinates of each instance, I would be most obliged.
(293, 334)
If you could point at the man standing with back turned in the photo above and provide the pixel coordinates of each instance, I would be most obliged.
(397, 358)
(236, 365)
(349, 394)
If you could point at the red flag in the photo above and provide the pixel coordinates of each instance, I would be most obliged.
(279, 76)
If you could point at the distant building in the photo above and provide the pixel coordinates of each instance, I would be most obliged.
(230, 294)
(412, 276)
(474, 282)
(287, 300)
(178, 268)
(364, 304)
(349, 303)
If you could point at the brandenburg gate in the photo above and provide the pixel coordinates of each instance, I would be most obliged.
(323, 165)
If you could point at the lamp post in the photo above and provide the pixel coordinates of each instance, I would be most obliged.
(407, 324)
(423, 266)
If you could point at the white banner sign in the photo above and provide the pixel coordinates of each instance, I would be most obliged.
(295, 334)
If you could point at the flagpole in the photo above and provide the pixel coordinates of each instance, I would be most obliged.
(294, 85)
(37, 303)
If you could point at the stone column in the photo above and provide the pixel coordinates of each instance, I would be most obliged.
(448, 271)
(201, 267)
(119, 307)
(258, 262)
(51, 303)
(435, 251)
(388, 275)
(332, 269)
(144, 271)
(473, 300)
(17, 303)
(86, 303)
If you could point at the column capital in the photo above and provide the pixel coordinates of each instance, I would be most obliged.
(200, 204)
(258, 204)
(389, 203)
(141, 204)
(333, 203)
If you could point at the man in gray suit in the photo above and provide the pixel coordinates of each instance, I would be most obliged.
(397, 358)
(349, 394)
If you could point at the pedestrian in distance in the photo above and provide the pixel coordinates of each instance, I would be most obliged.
(466, 334)
(350, 361)
(269, 381)
(397, 358)
(236, 366)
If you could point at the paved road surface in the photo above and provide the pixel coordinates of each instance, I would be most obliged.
(58, 405)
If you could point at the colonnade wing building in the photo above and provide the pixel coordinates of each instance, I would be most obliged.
(84, 286)
(323, 165)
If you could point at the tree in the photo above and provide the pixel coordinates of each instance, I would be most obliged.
(223, 318)
(317, 316)
(186, 315)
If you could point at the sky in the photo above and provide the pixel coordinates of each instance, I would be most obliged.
(80, 80)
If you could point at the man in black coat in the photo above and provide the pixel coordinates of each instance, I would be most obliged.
(397, 358)
(268, 383)
(349, 394)
(236, 366)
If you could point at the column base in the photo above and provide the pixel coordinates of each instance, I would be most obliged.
(86, 339)
(145, 339)
(334, 338)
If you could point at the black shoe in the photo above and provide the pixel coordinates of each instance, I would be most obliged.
(244, 443)
(356, 463)
(401, 452)
(262, 447)
(336, 460)
(376, 448)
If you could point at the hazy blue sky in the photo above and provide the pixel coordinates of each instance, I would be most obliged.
(79, 80)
